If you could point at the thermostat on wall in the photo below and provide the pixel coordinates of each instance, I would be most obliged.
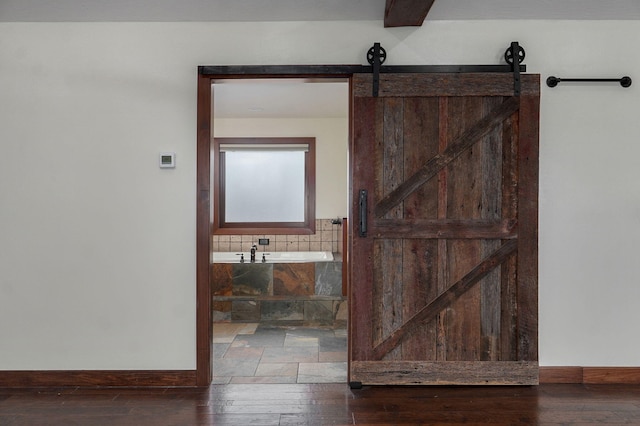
(167, 160)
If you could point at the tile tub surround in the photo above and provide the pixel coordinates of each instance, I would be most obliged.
(328, 237)
(292, 293)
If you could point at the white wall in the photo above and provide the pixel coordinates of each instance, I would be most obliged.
(332, 138)
(97, 244)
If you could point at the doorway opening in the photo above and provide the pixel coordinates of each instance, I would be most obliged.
(280, 321)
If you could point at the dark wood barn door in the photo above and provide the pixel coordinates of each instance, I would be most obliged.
(444, 241)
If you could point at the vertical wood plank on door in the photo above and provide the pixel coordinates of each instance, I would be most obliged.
(420, 256)
(366, 128)
(491, 208)
(443, 269)
(464, 198)
(508, 284)
(388, 265)
(528, 228)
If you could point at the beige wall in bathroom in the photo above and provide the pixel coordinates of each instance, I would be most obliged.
(328, 237)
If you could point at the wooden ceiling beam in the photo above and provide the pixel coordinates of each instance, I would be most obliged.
(406, 13)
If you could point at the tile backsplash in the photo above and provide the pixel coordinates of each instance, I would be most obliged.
(328, 237)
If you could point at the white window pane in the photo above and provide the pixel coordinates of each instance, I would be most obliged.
(264, 186)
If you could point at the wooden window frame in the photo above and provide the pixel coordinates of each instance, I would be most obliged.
(306, 227)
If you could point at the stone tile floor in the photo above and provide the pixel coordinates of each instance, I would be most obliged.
(262, 353)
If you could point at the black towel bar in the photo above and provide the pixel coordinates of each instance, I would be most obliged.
(624, 81)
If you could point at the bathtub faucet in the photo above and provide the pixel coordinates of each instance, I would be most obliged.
(253, 253)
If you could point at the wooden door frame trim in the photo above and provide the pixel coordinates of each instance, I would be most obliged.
(204, 320)
(206, 76)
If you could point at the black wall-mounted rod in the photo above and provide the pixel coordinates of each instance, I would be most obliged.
(624, 81)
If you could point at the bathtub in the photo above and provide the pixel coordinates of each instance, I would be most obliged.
(292, 288)
(273, 257)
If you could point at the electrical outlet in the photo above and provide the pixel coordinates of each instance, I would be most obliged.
(263, 241)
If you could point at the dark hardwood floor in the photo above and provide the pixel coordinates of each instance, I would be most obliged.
(323, 404)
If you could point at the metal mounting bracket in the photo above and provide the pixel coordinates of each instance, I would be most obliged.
(376, 57)
(514, 56)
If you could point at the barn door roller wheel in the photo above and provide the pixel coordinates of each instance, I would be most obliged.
(371, 54)
(519, 53)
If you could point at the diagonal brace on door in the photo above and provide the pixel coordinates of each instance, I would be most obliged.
(453, 151)
(449, 296)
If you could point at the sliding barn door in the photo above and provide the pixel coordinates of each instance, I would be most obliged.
(444, 241)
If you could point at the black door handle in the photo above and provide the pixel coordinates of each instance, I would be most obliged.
(363, 212)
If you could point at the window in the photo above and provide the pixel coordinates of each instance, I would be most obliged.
(264, 185)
